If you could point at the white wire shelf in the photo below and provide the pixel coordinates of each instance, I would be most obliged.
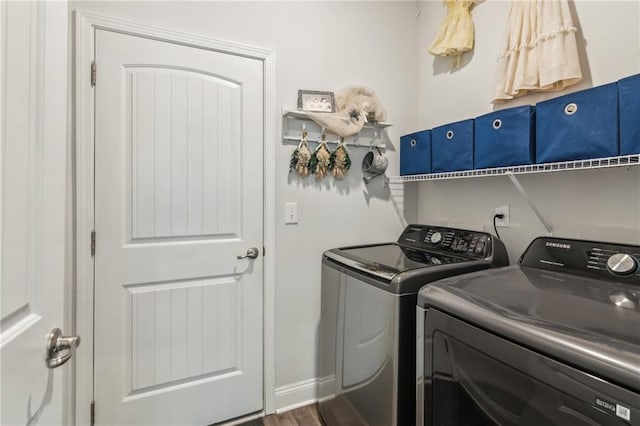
(595, 163)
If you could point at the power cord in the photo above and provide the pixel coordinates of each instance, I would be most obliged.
(497, 216)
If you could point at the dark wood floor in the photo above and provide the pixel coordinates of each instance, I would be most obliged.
(303, 416)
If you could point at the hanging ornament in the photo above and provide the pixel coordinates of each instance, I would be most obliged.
(339, 162)
(301, 157)
(320, 160)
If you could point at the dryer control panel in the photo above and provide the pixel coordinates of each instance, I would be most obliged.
(610, 261)
(449, 240)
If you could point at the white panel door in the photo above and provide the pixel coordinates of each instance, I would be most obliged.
(178, 184)
(33, 76)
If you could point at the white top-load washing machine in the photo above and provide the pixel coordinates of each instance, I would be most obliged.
(367, 329)
(554, 340)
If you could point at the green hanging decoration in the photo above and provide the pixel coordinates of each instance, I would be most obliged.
(294, 160)
(320, 160)
(301, 157)
(339, 162)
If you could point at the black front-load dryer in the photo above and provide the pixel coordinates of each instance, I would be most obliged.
(554, 340)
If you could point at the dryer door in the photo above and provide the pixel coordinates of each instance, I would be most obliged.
(473, 377)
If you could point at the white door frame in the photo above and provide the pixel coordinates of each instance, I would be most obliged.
(85, 25)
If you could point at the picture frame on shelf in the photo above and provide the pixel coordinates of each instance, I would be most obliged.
(316, 101)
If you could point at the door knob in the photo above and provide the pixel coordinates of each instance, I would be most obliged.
(252, 253)
(60, 348)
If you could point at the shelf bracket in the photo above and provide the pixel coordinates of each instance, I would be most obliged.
(394, 200)
(524, 194)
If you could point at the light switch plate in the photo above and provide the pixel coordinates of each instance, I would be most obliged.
(290, 213)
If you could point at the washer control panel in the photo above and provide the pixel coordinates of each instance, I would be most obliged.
(598, 260)
(451, 240)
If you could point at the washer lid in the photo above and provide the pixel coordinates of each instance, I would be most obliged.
(387, 260)
(590, 323)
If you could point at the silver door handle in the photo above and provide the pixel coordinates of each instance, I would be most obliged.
(60, 348)
(252, 253)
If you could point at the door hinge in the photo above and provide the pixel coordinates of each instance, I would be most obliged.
(93, 73)
(93, 243)
(264, 251)
(93, 413)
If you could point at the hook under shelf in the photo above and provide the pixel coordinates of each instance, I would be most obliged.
(296, 139)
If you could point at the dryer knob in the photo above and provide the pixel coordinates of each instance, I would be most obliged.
(622, 264)
(436, 237)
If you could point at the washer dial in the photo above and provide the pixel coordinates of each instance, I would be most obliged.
(436, 237)
(622, 264)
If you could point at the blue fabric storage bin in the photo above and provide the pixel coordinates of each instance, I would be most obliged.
(629, 98)
(415, 153)
(578, 126)
(452, 147)
(505, 138)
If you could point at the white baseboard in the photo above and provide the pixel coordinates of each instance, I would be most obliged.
(326, 388)
(242, 420)
(296, 395)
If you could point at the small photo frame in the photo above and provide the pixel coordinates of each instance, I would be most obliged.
(316, 101)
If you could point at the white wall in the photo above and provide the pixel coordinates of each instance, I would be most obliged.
(321, 46)
(328, 45)
(594, 204)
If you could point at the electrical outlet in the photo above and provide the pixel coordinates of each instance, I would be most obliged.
(505, 221)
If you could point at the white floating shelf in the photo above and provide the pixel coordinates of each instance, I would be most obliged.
(293, 123)
(596, 163)
(302, 115)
